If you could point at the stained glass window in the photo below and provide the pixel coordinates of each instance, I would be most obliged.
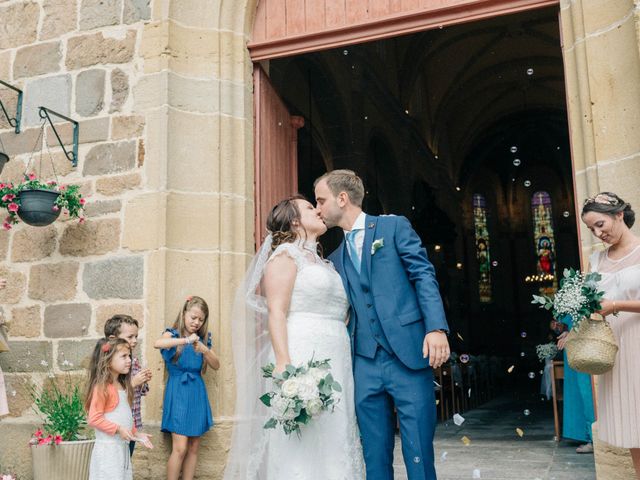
(545, 244)
(482, 247)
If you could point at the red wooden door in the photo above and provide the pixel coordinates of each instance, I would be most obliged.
(276, 150)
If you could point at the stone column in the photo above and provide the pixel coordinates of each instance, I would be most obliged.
(602, 71)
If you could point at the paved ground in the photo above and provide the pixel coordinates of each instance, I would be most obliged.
(497, 452)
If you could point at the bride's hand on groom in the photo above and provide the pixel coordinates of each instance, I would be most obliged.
(436, 347)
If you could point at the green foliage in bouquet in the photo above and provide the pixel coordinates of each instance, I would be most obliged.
(61, 408)
(578, 296)
(301, 393)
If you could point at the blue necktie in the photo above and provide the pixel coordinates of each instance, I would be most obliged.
(353, 250)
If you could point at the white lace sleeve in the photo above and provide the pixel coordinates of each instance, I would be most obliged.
(594, 261)
(293, 251)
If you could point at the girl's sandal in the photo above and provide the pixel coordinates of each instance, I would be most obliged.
(586, 448)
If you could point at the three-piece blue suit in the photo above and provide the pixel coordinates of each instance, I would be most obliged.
(395, 302)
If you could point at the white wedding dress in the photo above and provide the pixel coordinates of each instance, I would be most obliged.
(328, 448)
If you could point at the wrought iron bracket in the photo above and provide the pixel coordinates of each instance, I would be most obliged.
(15, 121)
(72, 156)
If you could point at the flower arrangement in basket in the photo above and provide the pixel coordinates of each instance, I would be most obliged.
(546, 351)
(300, 394)
(591, 346)
(15, 198)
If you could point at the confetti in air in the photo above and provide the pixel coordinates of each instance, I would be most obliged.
(520, 432)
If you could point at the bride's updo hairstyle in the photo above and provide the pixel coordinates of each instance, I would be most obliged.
(610, 204)
(283, 220)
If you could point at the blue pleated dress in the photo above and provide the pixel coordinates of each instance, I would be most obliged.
(186, 410)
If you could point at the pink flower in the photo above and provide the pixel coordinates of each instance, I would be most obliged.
(62, 188)
(8, 197)
(38, 433)
(32, 176)
(82, 201)
(51, 182)
(42, 441)
(55, 208)
(2, 185)
(57, 439)
(81, 220)
(6, 226)
(13, 207)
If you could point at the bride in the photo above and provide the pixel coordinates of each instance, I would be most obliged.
(290, 308)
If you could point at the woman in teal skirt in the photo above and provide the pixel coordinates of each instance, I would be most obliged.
(186, 412)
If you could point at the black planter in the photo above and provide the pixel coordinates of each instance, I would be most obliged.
(36, 207)
(4, 158)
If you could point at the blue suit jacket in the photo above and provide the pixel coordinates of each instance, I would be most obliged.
(403, 285)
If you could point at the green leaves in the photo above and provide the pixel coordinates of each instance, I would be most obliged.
(61, 409)
(266, 399)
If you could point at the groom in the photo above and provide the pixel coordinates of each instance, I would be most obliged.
(397, 327)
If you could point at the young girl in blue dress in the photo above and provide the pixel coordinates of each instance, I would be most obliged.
(186, 414)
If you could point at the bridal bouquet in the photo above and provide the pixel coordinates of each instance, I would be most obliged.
(578, 296)
(546, 351)
(300, 394)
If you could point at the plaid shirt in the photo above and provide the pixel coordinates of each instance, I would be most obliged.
(138, 392)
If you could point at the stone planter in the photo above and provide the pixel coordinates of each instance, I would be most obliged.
(36, 207)
(68, 461)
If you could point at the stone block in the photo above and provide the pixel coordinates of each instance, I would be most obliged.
(27, 356)
(194, 13)
(111, 186)
(154, 46)
(37, 60)
(193, 221)
(90, 86)
(136, 10)
(105, 312)
(14, 456)
(18, 145)
(18, 387)
(194, 51)
(117, 277)
(95, 49)
(60, 17)
(93, 237)
(13, 172)
(75, 354)
(53, 92)
(91, 131)
(99, 13)
(67, 320)
(141, 153)
(102, 207)
(148, 210)
(4, 244)
(33, 243)
(194, 137)
(19, 24)
(119, 89)
(25, 322)
(110, 158)
(126, 127)
(5, 65)
(53, 281)
(16, 283)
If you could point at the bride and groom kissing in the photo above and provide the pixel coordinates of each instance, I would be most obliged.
(373, 309)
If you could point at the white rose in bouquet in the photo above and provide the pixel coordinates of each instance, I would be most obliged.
(314, 407)
(308, 388)
(290, 387)
(281, 407)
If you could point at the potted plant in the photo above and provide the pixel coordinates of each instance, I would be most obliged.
(59, 449)
(39, 203)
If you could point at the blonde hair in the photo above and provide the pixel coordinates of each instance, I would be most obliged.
(344, 181)
(100, 369)
(191, 301)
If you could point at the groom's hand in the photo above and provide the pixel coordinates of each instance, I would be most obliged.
(436, 347)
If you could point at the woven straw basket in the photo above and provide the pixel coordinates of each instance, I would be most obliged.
(592, 347)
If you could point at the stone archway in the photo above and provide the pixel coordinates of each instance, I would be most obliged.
(602, 68)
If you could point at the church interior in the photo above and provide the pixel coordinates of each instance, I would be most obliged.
(462, 129)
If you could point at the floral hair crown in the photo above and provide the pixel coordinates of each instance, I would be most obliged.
(603, 198)
(189, 298)
(106, 347)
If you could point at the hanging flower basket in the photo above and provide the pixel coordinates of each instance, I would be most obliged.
(39, 203)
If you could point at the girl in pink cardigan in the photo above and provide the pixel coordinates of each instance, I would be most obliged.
(108, 400)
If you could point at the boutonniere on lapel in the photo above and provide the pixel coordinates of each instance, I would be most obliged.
(377, 245)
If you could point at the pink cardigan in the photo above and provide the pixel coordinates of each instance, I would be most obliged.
(101, 405)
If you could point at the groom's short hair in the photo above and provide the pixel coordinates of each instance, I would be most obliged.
(344, 181)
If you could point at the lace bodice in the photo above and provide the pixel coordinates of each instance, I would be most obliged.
(620, 278)
(318, 288)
